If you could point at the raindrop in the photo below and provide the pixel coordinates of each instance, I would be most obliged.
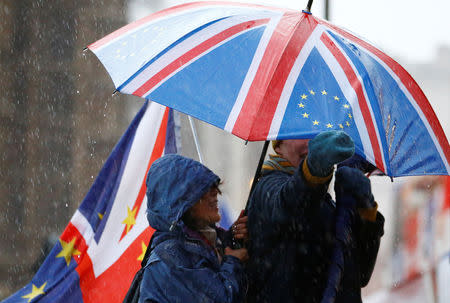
(67, 205)
(78, 92)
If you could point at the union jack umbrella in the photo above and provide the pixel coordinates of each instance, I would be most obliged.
(264, 73)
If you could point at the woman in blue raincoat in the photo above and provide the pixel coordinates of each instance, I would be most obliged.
(191, 260)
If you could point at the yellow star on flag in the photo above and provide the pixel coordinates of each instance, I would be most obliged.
(68, 250)
(35, 291)
(315, 122)
(312, 92)
(350, 116)
(346, 106)
(346, 123)
(336, 98)
(305, 115)
(304, 96)
(341, 126)
(301, 105)
(329, 125)
(144, 249)
(324, 92)
(130, 220)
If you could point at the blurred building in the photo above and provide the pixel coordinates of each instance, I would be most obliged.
(58, 122)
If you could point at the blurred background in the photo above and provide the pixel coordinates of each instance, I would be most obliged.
(59, 121)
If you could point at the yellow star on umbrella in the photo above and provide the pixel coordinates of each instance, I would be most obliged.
(346, 106)
(305, 115)
(68, 250)
(130, 220)
(144, 249)
(304, 96)
(350, 116)
(329, 125)
(336, 98)
(312, 92)
(301, 105)
(35, 291)
(341, 126)
(347, 123)
(324, 92)
(315, 122)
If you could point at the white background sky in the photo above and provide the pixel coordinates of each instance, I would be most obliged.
(407, 29)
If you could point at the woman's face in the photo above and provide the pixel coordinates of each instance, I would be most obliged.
(206, 211)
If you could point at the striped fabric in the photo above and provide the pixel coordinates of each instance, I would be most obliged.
(265, 73)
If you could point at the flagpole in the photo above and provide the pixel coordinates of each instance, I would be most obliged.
(194, 134)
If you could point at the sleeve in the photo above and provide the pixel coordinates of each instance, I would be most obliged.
(368, 245)
(277, 195)
(193, 280)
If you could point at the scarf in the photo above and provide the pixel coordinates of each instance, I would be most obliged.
(275, 162)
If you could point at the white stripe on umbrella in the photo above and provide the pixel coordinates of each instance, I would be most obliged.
(290, 82)
(163, 64)
(350, 96)
(180, 49)
(414, 104)
(369, 105)
(250, 76)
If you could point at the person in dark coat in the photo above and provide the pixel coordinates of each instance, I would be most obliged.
(191, 259)
(291, 222)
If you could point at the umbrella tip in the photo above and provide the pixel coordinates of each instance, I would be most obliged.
(307, 10)
(114, 92)
(85, 49)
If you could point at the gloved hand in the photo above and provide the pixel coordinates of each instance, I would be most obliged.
(326, 149)
(352, 182)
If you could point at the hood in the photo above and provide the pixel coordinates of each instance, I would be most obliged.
(174, 184)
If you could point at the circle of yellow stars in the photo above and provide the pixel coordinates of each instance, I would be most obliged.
(303, 104)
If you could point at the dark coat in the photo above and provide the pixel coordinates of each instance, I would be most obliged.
(292, 233)
(182, 266)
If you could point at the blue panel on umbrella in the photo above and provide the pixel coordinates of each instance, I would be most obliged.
(354, 54)
(402, 129)
(317, 104)
(208, 88)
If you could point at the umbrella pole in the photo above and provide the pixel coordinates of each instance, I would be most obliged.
(239, 243)
(258, 171)
(194, 134)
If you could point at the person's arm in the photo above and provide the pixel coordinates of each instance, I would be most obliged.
(278, 196)
(177, 276)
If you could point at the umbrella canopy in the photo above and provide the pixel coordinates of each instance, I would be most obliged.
(265, 73)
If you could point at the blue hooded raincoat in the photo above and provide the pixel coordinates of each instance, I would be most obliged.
(182, 266)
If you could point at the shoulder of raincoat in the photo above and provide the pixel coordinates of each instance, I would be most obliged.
(182, 267)
(291, 229)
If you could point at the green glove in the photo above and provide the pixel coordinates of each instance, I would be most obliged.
(327, 149)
